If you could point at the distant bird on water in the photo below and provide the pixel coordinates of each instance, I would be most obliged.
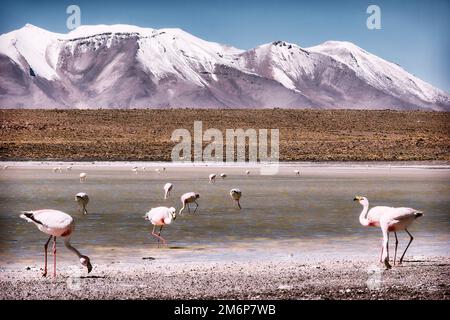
(247, 172)
(83, 176)
(167, 188)
(236, 194)
(56, 224)
(82, 199)
(188, 198)
(223, 175)
(297, 172)
(389, 219)
(212, 178)
(160, 216)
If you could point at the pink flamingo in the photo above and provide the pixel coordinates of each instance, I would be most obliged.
(57, 224)
(188, 198)
(371, 218)
(236, 194)
(160, 216)
(167, 188)
(389, 219)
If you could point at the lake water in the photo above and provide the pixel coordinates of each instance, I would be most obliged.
(283, 216)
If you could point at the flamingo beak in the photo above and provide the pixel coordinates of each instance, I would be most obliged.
(357, 198)
(89, 266)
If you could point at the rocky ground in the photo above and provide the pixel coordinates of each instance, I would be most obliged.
(305, 135)
(426, 278)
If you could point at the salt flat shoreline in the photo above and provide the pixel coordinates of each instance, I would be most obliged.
(417, 278)
(437, 164)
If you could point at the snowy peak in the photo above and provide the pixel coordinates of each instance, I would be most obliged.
(381, 74)
(124, 66)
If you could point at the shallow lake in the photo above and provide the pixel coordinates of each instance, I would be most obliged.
(309, 216)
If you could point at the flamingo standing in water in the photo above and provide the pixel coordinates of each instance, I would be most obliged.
(160, 216)
(236, 194)
(167, 188)
(56, 224)
(212, 178)
(83, 176)
(188, 198)
(389, 219)
(82, 199)
(297, 172)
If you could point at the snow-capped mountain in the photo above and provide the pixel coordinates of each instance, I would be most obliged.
(124, 66)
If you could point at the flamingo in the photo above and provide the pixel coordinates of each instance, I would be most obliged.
(158, 170)
(69, 168)
(297, 172)
(135, 170)
(5, 167)
(389, 219)
(212, 178)
(223, 175)
(57, 169)
(82, 199)
(236, 194)
(167, 188)
(188, 198)
(371, 218)
(83, 176)
(56, 224)
(160, 216)
(247, 172)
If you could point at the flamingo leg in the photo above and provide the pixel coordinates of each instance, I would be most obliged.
(45, 255)
(386, 248)
(196, 206)
(189, 210)
(158, 236)
(396, 245)
(54, 256)
(381, 255)
(239, 205)
(410, 240)
(159, 233)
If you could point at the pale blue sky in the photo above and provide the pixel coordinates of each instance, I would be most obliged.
(414, 34)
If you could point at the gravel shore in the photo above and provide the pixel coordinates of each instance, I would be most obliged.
(418, 278)
(305, 135)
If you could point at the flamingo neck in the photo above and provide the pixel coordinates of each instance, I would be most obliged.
(363, 216)
(71, 248)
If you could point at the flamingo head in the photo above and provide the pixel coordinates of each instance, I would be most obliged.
(362, 200)
(197, 196)
(86, 262)
(173, 212)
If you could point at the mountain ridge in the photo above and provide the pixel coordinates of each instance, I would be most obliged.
(123, 66)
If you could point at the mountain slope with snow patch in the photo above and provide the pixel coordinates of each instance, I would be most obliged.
(124, 66)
